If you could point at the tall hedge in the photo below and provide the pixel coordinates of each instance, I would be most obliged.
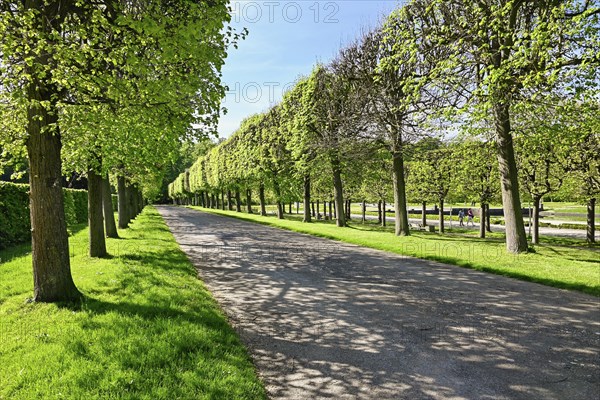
(15, 225)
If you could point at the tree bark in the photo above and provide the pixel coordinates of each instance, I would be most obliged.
(482, 218)
(290, 208)
(535, 229)
(488, 222)
(441, 215)
(249, 200)
(330, 211)
(109, 214)
(131, 202)
(338, 190)
(229, 201)
(348, 209)
(317, 209)
(307, 214)
(261, 199)
(223, 200)
(591, 216)
(238, 201)
(364, 211)
(324, 210)
(401, 215)
(52, 277)
(123, 202)
(516, 239)
(424, 214)
(97, 239)
(383, 214)
(277, 197)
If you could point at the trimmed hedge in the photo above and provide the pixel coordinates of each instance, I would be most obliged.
(15, 224)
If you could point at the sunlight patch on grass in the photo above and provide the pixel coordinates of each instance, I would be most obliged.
(147, 329)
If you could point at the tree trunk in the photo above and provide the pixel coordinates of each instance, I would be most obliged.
(261, 199)
(441, 215)
(535, 231)
(330, 211)
(379, 215)
(130, 202)
(123, 202)
(516, 239)
(290, 208)
(324, 210)
(238, 201)
(401, 215)
(364, 211)
(488, 224)
(348, 209)
(424, 214)
(317, 209)
(109, 214)
(223, 200)
(277, 197)
(249, 200)
(49, 239)
(229, 201)
(383, 213)
(591, 216)
(307, 214)
(482, 219)
(339, 194)
(95, 219)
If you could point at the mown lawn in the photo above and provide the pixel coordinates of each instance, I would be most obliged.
(563, 263)
(147, 329)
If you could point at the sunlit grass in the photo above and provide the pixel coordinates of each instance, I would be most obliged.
(564, 263)
(147, 329)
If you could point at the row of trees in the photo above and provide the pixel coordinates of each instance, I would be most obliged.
(507, 75)
(103, 88)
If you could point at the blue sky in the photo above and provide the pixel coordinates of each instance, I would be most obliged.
(285, 40)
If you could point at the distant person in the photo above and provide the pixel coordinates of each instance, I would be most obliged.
(470, 217)
(461, 217)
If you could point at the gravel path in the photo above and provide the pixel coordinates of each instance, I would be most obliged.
(323, 319)
(544, 231)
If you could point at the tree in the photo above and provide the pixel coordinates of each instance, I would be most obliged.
(477, 175)
(62, 53)
(505, 47)
(434, 171)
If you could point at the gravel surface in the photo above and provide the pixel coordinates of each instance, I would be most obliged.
(323, 319)
(544, 231)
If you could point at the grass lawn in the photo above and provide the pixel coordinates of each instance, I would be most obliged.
(147, 329)
(564, 263)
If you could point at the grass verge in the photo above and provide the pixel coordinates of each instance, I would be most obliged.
(147, 329)
(563, 263)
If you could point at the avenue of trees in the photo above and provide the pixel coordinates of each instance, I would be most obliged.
(480, 101)
(108, 89)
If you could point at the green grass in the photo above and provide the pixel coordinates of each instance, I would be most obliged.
(147, 329)
(563, 263)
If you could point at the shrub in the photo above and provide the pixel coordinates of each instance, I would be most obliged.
(15, 225)
(81, 207)
(70, 214)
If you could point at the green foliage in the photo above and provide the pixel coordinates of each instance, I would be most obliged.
(80, 201)
(70, 213)
(15, 226)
